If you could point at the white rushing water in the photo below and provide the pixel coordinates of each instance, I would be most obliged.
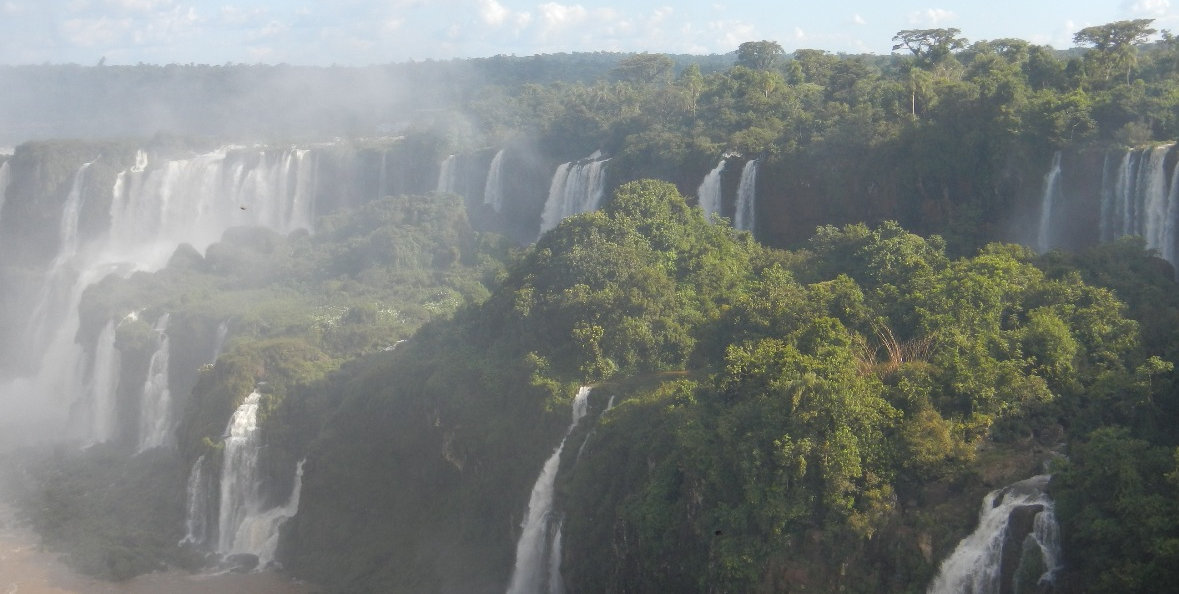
(196, 518)
(1048, 201)
(538, 552)
(975, 566)
(102, 385)
(1139, 198)
(577, 187)
(446, 176)
(708, 195)
(5, 178)
(493, 189)
(245, 524)
(155, 406)
(239, 460)
(744, 218)
(155, 205)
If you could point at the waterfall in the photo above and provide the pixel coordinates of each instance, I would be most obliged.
(219, 340)
(48, 395)
(709, 193)
(156, 204)
(1138, 197)
(577, 187)
(1047, 202)
(538, 558)
(259, 530)
(155, 405)
(493, 189)
(196, 520)
(5, 178)
(154, 209)
(239, 461)
(745, 217)
(446, 176)
(1015, 523)
(244, 524)
(1154, 197)
(103, 384)
(383, 175)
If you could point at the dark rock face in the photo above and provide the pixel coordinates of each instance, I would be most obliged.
(1020, 523)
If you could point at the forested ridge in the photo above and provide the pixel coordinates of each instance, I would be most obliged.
(816, 405)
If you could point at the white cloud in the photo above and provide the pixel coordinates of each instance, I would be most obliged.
(493, 12)
(237, 17)
(139, 5)
(931, 17)
(730, 34)
(95, 32)
(555, 16)
(856, 19)
(1155, 8)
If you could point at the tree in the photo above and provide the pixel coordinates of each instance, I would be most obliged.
(759, 55)
(1114, 46)
(931, 47)
(644, 67)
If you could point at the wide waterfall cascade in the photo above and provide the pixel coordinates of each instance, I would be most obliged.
(156, 204)
(1138, 197)
(1050, 198)
(194, 200)
(155, 407)
(493, 189)
(538, 557)
(745, 217)
(577, 187)
(103, 384)
(245, 525)
(1015, 521)
(196, 518)
(447, 176)
(708, 195)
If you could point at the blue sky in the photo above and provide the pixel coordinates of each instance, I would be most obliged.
(362, 32)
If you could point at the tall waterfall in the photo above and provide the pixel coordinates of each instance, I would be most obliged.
(102, 386)
(709, 192)
(493, 189)
(155, 407)
(577, 187)
(239, 469)
(196, 520)
(1139, 198)
(1047, 202)
(44, 398)
(156, 204)
(1016, 524)
(244, 524)
(538, 552)
(219, 340)
(446, 176)
(745, 216)
(5, 178)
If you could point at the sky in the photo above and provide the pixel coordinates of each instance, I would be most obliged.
(364, 32)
